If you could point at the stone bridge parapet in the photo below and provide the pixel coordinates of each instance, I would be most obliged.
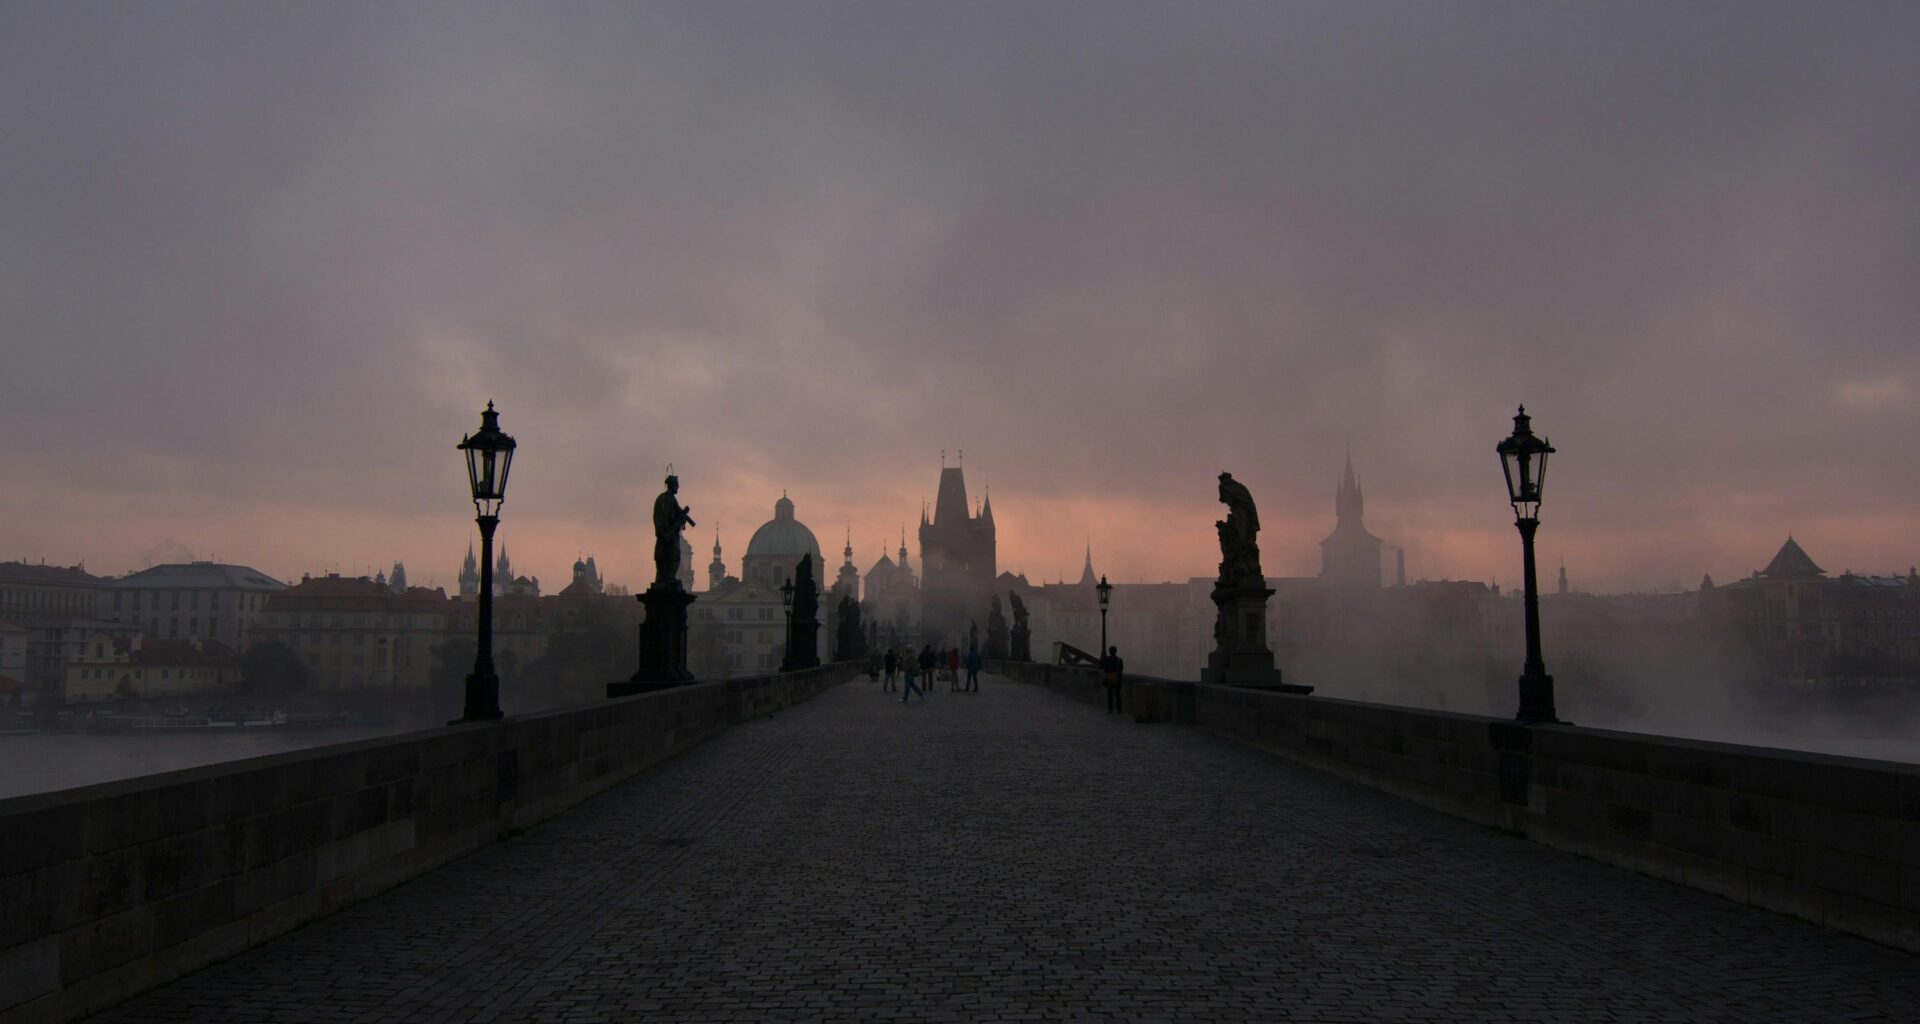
(1834, 840)
(111, 889)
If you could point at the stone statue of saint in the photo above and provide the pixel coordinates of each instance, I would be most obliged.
(1022, 638)
(1239, 553)
(669, 518)
(996, 630)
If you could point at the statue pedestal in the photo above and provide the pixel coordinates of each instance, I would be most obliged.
(1241, 656)
(663, 642)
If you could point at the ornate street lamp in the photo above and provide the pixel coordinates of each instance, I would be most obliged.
(489, 458)
(1524, 459)
(786, 602)
(1105, 590)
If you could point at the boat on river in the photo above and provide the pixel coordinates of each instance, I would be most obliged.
(214, 721)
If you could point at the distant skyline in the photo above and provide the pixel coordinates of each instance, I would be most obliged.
(263, 266)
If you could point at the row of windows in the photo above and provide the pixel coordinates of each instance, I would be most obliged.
(153, 600)
(357, 620)
(358, 640)
(47, 600)
(124, 673)
(358, 660)
(173, 626)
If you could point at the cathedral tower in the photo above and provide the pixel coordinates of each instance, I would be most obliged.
(1350, 556)
(957, 553)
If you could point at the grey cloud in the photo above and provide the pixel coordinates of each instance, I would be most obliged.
(1096, 243)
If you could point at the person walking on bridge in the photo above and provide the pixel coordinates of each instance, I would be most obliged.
(927, 665)
(973, 670)
(1110, 669)
(908, 668)
(892, 665)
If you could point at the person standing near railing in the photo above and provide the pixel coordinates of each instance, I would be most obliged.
(1110, 669)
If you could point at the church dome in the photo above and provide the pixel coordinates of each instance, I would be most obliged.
(784, 536)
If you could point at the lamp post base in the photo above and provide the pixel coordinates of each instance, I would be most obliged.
(482, 685)
(1536, 700)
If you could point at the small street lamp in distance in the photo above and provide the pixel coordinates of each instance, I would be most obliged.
(489, 458)
(1105, 590)
(1523, 457)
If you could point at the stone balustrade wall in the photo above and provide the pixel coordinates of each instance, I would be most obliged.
(111, 889)
(1834, 840)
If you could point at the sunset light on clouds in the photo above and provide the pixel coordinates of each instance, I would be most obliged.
(261, 274)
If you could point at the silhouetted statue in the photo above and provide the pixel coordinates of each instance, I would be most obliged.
(663, 629)
(996, 631)
(803, 638)
(1240, 654)
(1239, 551)
(1022, 635)
(669, 518)
(849, 639)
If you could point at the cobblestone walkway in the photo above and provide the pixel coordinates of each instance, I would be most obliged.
(1015, 856)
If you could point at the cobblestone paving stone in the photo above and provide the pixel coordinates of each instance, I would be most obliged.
(1014, 856)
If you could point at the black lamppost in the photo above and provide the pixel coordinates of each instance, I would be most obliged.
(1524, 458)
(489, 457)
(1105, 590)
(786, 601)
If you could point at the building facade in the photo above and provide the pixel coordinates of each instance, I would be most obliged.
(1803, 628)
(892, 597)
(738, 625)
(354, 634)
(136, 668)
(58, 608)
(185, 600)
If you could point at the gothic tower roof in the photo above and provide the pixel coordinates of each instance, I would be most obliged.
(950, 503)
(1791, 562)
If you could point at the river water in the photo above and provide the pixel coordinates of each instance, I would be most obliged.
(38, 762)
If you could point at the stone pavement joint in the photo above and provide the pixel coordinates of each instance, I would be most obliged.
(1013, 856)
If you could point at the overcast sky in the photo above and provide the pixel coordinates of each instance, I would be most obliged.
(261, 265)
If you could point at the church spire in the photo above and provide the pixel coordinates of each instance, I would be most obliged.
(716, 569)
(1086, 571)
(1348, 502)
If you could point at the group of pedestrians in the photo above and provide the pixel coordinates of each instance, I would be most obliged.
(916, 670)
